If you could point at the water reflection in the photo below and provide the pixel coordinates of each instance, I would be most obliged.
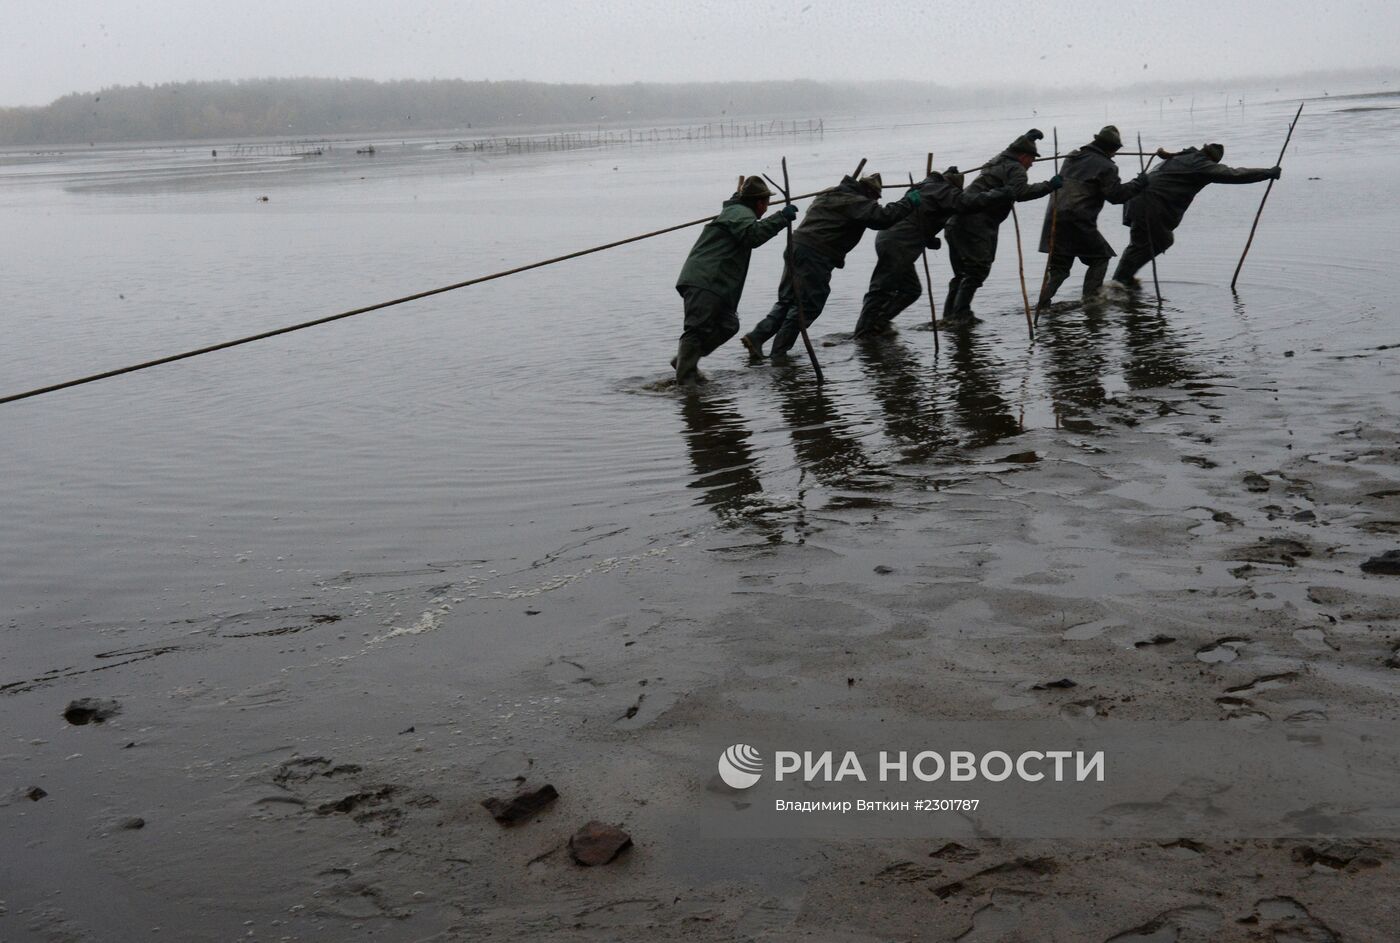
(981, 409)
(912, 418)
(1076, 362)
(1155, 354)
(725, 464)
(825, 442)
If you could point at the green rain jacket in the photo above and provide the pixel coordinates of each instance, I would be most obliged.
(719, 260)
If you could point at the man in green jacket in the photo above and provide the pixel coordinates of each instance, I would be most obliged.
(712, 278)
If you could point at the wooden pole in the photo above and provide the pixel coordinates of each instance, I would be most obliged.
(792, 280)
(1021, 266)
(928, 278)
(1147, 226)
(1265, 199)
(859, 168)
(1042, 301)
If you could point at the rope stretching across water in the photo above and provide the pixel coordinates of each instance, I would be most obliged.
(185, 355)
(225, 345)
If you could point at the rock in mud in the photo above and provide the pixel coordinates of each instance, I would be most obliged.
(90, 710)
(884, 570)
(598, 843)
(1022, 458)
(131, 823)
(1387, 564)
(1063, 683)
(522, 806)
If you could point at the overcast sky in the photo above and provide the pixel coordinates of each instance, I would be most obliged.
(51, 47)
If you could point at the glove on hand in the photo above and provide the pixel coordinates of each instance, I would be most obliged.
(913, 196)
(1276, 172)
(935, 243)
(789, 211)
(1056, 182)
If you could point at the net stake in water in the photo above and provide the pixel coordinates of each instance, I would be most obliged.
(1267, 189)
(791, 273)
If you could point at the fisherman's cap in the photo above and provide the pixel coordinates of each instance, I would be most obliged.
(1025, 144)
(754, 187)
(1108, 138)
(872, 182)
(1215, 152)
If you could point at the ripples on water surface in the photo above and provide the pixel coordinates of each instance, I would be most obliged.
(528, 421)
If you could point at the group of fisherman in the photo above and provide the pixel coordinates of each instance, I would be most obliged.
(712, 279)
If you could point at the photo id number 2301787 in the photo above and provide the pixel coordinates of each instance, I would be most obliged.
(946, 805)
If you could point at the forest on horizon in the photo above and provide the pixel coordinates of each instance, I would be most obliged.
(315, 107)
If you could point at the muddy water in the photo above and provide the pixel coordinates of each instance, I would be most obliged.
(481, 536)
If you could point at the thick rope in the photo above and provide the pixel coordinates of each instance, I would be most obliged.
(13, 397)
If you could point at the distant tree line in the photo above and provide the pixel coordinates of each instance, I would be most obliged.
(308, 107)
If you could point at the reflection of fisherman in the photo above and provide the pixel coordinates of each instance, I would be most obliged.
(835, 221)
(972, 237)
(1075, 366)
(821, 436)
(912, 416)
(1158, 210)
(718, 442)
(894, 285)
(980, 407)
(712, 278)
(1090, 177)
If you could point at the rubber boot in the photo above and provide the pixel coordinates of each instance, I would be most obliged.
(1053, 285)
(962, 306)
(868, 324)
(952, 296)
(1093, 279)
(687, 361)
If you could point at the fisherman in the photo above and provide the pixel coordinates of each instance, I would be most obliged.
(835, 221)
(1155, 213)
(1071, 227)
(712, 278)
(972, 237)
(894, 285)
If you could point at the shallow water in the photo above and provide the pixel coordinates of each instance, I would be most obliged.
(431, 472)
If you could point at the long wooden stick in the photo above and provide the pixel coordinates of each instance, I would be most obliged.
(1156, 286)
(859, 168)
(1265, 199)
(792, 281)
(928, 278)
(1042, 301)
(1021, 265)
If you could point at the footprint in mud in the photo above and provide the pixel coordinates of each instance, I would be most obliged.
(1184, 924)
(1083, 710)
(1281, 550)
(1018, 869)
(317, 785)
(1222, 651)
(1289, 922)
(998, 919)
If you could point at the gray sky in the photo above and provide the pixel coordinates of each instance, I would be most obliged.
(52, 47)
